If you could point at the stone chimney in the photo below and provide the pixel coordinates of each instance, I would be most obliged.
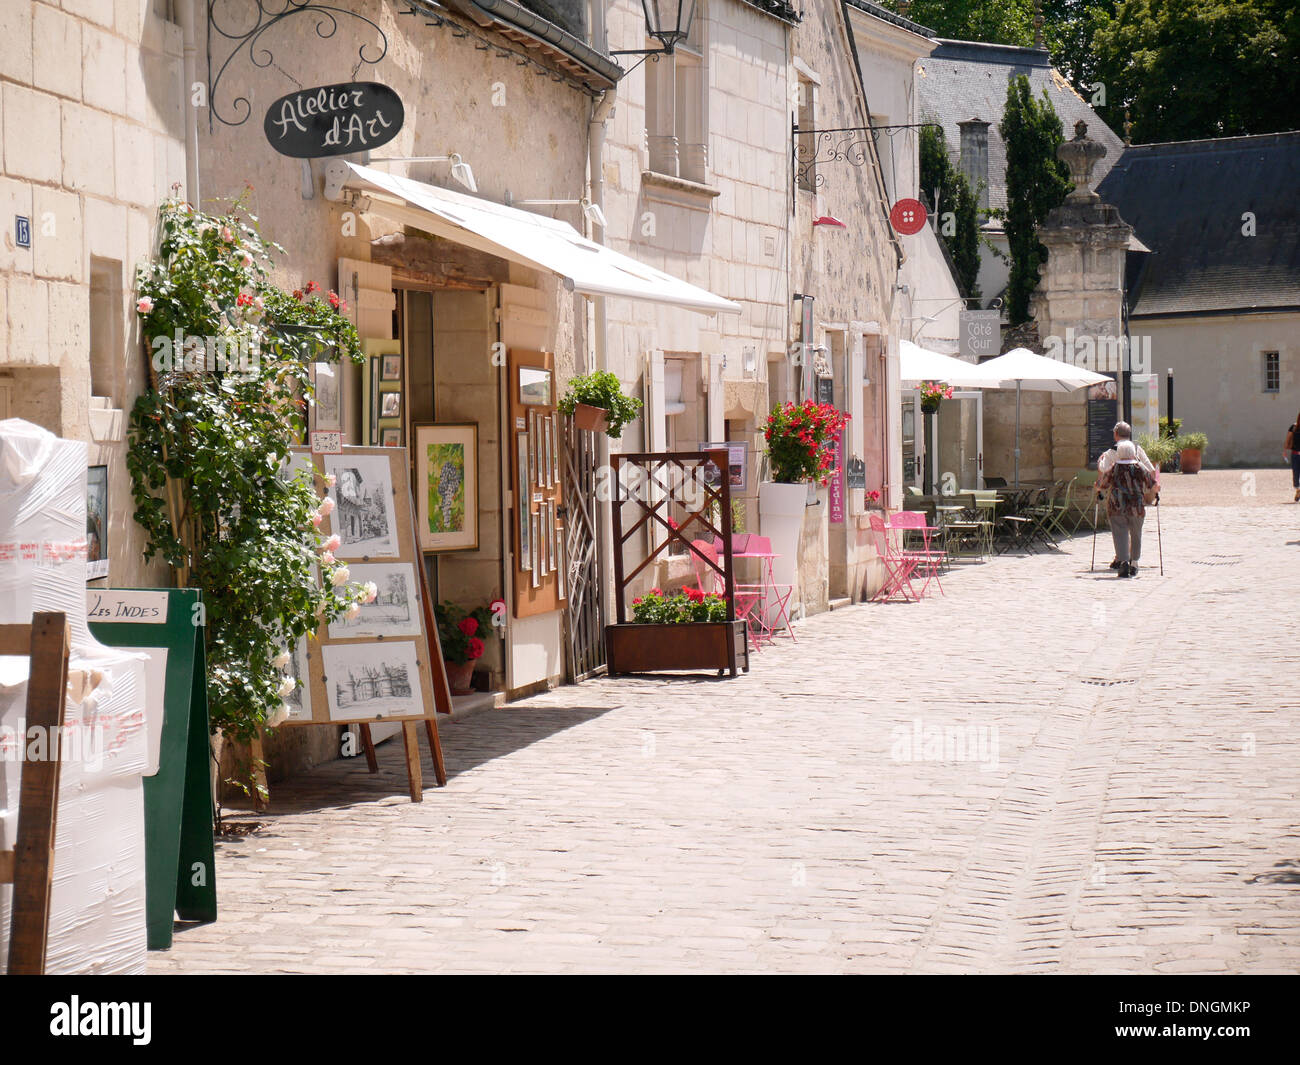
(975, 157)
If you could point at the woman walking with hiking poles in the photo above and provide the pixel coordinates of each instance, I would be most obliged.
(1291, 453)
(1127, 483)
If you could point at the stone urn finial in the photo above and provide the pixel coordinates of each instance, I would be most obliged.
(1081, 155)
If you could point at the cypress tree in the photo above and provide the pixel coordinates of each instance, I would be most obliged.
(945, 188)
(1036, 183)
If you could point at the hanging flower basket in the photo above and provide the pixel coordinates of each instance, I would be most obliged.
(932, 394)
(585, 416)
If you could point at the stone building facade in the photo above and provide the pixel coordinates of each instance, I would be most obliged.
(92, 121)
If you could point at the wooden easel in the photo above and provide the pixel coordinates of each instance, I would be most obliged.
(30, 865)
(441, 698)
(403, 501)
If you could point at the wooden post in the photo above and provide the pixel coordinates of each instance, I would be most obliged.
(411, 740)
(31, 864)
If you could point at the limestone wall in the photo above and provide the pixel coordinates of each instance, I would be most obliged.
(92, 133)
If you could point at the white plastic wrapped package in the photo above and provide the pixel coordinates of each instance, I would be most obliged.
(97, 918)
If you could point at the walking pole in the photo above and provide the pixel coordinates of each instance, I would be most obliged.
(1093, 563)
(1160, 542)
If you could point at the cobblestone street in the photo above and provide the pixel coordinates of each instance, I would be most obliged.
(1045, 770)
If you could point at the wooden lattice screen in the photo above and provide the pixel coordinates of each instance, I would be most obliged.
(664, 478)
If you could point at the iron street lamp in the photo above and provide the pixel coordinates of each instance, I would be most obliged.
(668, 22)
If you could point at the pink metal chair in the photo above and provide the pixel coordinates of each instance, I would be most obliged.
(930, 559)
(898, 565)
(707, 579)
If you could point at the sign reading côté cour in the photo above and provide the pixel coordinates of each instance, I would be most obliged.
(334, 120)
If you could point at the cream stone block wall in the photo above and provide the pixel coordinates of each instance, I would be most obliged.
(1218, 381)
(67, 74)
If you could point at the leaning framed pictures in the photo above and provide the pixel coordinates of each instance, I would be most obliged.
(390, 368)
(326, 414)
(97, 523)
(446, 486)
(521, 501)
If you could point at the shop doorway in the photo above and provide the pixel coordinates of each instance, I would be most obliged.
(912, 444)
(957, 455)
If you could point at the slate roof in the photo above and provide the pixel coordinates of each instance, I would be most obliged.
(1185, 201)
(960, 80)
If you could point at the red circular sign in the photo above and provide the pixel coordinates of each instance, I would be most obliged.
(907, 217)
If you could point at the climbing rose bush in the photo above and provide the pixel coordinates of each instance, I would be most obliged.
(216, 491)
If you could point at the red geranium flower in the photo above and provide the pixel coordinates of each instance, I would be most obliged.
(476, 647)
(468, 626)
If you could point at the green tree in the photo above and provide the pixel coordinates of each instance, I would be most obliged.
(1036, 182)
(945, 189)
(1068, 28)
(1189, 69)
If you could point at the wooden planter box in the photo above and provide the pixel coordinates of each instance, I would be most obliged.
(720, 645)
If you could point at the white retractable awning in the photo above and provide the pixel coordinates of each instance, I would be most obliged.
(527, 238)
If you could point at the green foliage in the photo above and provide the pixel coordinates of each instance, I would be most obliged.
(683, 608)
(461, 632)
(1166, 431)
(1192, 442)
(946, 188)
(601, 388)
(737, 515)
(1036, 183)
(1001, 21)
(1160, 451)
(1191, 69)
(209, 455)
(801, 439)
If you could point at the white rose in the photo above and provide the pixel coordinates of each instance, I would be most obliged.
(281, 660)
(286, 687)
(353, 612)
(372, 591)
(341, 576)
(279, 717)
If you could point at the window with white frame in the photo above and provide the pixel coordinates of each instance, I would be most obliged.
(807, 118)
(1272, 371)
(676, 95)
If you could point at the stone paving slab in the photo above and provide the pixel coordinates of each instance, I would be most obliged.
(839, 809)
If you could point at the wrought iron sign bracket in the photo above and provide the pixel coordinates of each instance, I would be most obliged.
(840, 144)
(270, 14)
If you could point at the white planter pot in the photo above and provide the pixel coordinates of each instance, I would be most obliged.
(781, 509)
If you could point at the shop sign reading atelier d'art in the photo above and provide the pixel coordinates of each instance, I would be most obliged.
(357, 116)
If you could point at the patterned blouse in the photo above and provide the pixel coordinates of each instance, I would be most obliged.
(1126, 481)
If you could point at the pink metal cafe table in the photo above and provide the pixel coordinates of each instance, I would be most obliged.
(773, 614)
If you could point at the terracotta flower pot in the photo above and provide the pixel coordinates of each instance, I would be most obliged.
(1190, 460)
(586, 416)
(460, 677)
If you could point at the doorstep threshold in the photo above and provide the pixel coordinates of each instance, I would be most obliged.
(463, 706)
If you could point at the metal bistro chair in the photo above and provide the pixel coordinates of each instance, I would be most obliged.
(929, 559)
(986, 512)
(708, 580)
(1039, 510)
(1085, 482)
(898, 565)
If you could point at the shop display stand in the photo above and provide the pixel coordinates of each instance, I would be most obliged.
(30, 865)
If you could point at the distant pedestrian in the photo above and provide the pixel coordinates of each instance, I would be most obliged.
(1291, 453)
(1128, 481)
(1123, 431)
